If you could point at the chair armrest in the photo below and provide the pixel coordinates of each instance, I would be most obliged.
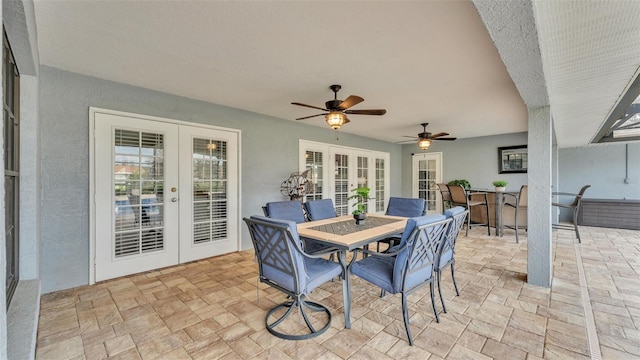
(375, 253)
(564, 194)
(320, 254)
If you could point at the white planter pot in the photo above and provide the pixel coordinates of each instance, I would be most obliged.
(500, 188)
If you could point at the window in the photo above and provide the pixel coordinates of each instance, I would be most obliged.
(11, 90)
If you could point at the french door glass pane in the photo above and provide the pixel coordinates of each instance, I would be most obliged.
(210, 196)
(380, 186)
(341, 184)
(363, 173)
(313, 163)
(138, 192)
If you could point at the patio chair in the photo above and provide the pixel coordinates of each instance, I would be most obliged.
(292, 210)
(519, 206)
(459, 197)
(283, 265)
(411, 264)
(406, 207)
(574, 206)
(320, 209)
(446, 253)
(446, 196)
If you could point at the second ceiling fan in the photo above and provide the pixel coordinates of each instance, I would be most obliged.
(337, 110)
(424, 138)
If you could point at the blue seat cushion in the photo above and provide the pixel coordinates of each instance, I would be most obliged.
(319, 271)
(376, 270)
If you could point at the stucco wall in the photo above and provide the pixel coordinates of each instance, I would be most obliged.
(269, 155)
(474, 159)
(603, 167)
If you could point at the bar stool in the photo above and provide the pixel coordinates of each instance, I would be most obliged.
(459, 197)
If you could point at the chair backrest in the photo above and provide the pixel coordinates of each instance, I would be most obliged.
(576, 202)
(279, 253)
(408, 207)
(415, 263)
(457, 215)
(320, 209)
(458, 195)
(286, 210)
(523, 196)
(444, 191)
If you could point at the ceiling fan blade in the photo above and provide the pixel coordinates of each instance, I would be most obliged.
(309, 106)
(413, 137)
(346, 120)
(405, 141)
(308, 117)
(366, 112)
(444, 138)
(350, 101)
(439, 135)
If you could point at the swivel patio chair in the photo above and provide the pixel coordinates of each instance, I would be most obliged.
(283, 265)
(574, 206)
(320, 209)
(446, 252)
(459, 197)
(446, 196)
(410, 266)
(519, 206)
(292, 211)
(406, 207)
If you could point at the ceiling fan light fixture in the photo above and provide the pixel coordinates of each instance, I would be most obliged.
(424, 144)
(335, 119)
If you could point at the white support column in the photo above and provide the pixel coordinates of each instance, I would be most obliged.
(539, 177)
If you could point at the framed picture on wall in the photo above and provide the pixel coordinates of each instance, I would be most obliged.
(512, 159)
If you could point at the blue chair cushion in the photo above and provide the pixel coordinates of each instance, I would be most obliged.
(447, 249)
(376, 270)
(386, 272)
(320, 209)
(286, 210)
(319, 271)
(311, 272)
(408, 207)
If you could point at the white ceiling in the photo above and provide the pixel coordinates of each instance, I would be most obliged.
(422, 61)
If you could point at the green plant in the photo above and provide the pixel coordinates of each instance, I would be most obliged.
(499, 183)
(361, 195)
(465, 184)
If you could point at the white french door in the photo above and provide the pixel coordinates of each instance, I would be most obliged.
(335, 170)
(165, 193)
(426, 173)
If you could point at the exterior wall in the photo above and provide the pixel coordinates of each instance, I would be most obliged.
(474, 159)
(269, 155)
(604, 167)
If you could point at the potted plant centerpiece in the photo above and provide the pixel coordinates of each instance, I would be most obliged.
(500, 185)
(361, 195)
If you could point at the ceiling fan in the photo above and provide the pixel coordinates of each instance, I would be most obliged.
(337, 110)
(424, 138)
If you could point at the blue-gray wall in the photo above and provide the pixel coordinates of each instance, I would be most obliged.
(474, 159)
(603, 167)
(269, 154)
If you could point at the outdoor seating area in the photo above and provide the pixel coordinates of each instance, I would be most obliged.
(212, 309)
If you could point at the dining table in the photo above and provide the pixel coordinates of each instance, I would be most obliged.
(343, 233)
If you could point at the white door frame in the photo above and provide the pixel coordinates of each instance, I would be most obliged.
(92, 178)
(438, 178)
